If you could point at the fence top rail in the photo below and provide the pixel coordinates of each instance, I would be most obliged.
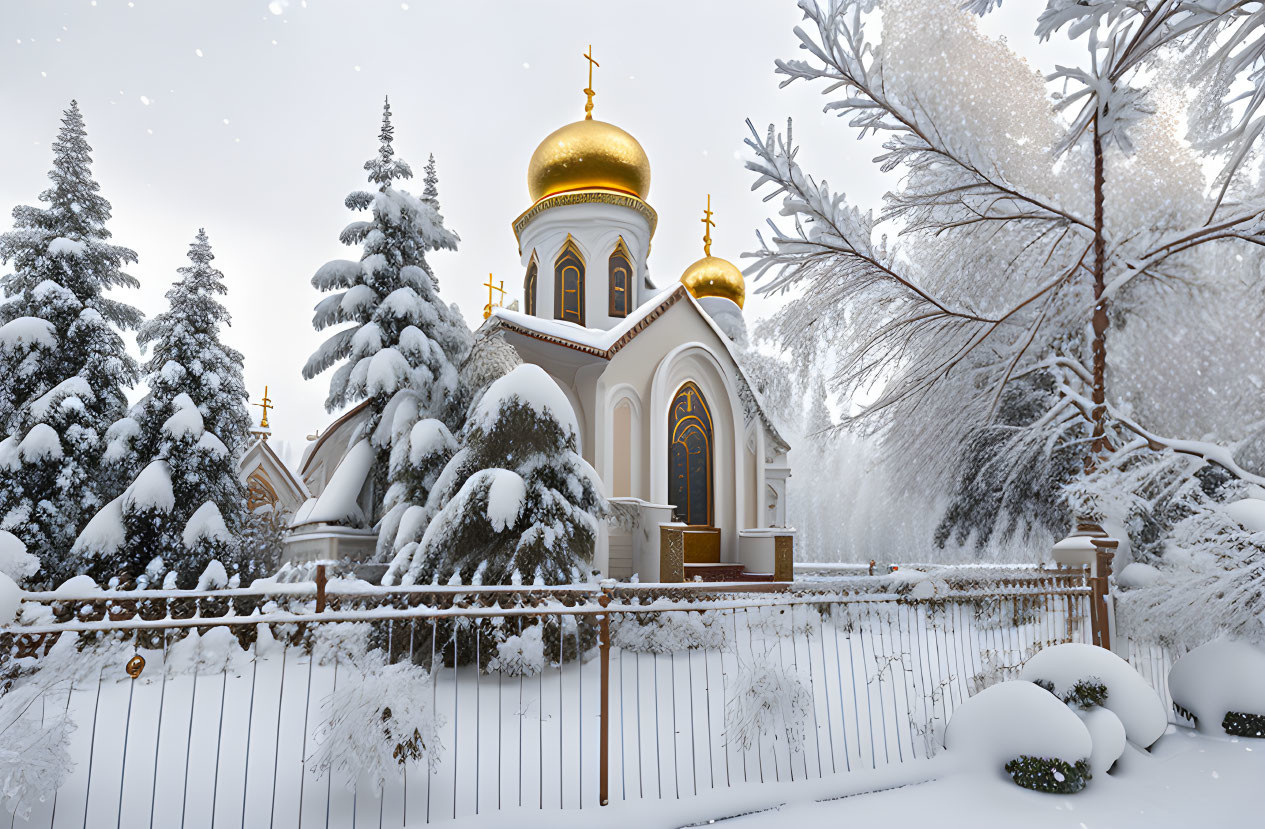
(355, 588)
(425, 612)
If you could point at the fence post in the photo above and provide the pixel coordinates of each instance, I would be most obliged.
(1105, 549)
(320, 588)
(604, 734)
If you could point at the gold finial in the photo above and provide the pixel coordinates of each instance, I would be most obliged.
(265, 405)
(708, 224)
(487, 309)
(588, 106)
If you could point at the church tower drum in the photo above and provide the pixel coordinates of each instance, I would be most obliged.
(585, 239)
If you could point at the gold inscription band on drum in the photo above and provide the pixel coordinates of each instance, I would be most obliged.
(587, 197)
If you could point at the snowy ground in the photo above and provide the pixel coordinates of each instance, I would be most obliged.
(1188, 780)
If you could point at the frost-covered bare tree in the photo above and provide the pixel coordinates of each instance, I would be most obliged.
(1052, 253)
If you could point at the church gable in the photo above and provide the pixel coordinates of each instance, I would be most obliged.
(269, 482)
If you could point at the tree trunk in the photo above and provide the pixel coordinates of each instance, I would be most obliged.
(1099, 446)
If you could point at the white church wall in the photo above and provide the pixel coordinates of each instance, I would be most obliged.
(648, 371)
(596, 229)
(623, 452)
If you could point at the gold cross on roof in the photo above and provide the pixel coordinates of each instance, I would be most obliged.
(265, 405)
(588, 106)
(708, 224)
(487, 309)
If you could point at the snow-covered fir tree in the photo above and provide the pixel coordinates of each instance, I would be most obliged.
(400, 345)
(1009, 312)
(518, 502)
(422, 446)
(187, 354)
(398, 334)
(65, 365)
(184, 504)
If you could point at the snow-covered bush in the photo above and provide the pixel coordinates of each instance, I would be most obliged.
(1084, 693)
(517, 646)
(670, 632)
(35, 729)
(1086, 698)
(15, 561)
(1020, 728)
(1221, 686)
(1107, 735)
(770, 700)
(1085, 675)
(520, 505)
(10, 599)
(1210, 581)
(1049, 774)
(377, 721)
(520, 654)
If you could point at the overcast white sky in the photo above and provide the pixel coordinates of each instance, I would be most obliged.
(253, 118)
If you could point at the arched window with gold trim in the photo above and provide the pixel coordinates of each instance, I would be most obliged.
(259, 491)
(620, 274)
(690, 456)
(568, 284)
(529, 286)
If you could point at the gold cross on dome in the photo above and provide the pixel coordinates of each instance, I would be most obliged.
(487, 309)
(588, 106)
(708, 224)
(265, 405)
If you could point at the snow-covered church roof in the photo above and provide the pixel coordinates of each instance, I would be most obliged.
(606, 343)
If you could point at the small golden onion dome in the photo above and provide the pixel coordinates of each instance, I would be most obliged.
(588, 155)
(713, 276)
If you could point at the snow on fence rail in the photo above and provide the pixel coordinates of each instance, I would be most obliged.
(399, 707)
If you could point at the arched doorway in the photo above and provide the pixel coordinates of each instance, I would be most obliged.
(690, 456)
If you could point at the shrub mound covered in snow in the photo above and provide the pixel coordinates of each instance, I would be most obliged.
(1086, 693)
(1221, 684)
(1128, 695)
(1019, 727)
(1049, 774)
(10, 599)
(1238, 724)
(15, 561)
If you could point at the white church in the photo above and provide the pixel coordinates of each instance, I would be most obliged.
(695, 470)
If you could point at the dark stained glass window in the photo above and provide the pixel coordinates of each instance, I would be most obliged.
(568, 282)
(690, 458)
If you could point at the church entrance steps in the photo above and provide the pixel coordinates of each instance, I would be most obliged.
(722, 571)
(702, 545)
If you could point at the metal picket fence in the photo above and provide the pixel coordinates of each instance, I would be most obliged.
(545, 698)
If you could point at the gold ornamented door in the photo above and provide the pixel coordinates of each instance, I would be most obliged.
(690, 456)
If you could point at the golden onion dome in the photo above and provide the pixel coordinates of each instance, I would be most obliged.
(713, 276)
(588, 155)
